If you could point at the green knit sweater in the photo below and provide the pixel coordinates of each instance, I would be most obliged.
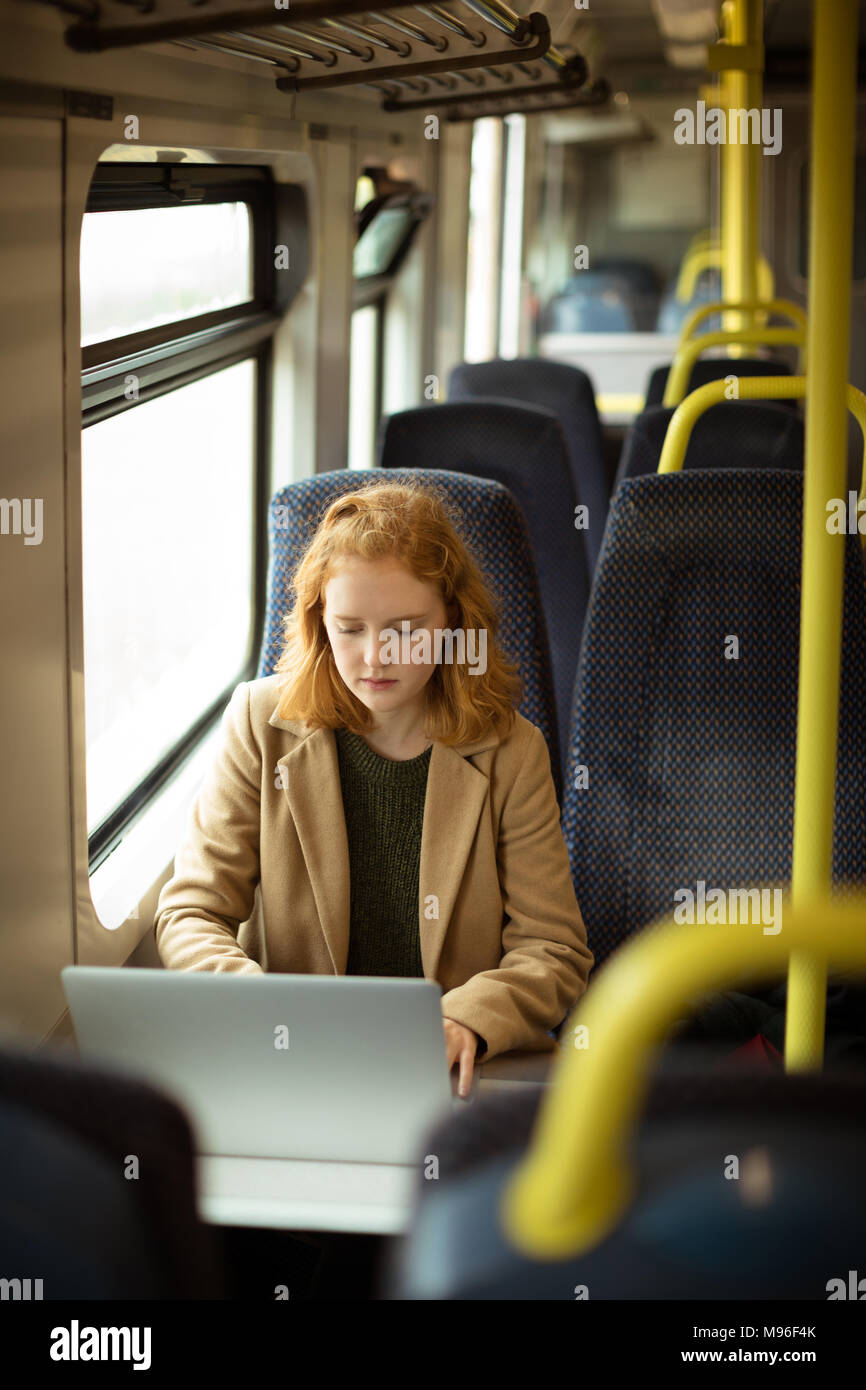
(383, 803)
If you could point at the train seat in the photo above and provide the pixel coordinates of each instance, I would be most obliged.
(684, 724)
(641, 275)
(492, 524)
(568, 392)
(734, 434)
(95, 1233)
(714, 369)
(673, 311)
(523, 448)
(791, 1227)
(594, 302)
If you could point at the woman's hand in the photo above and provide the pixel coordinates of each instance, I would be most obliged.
(461, 1045)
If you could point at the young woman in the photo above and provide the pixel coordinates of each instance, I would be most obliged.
(378, 806)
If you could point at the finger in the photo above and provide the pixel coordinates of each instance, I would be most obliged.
(467, 1058)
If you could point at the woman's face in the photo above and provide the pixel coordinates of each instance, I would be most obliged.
(362, 599)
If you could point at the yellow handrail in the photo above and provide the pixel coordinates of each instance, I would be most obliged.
(831, 238)
(694, 263)
(688, 353)
(769, 306)
(749, 388)
(576, 1180)
(705, 258)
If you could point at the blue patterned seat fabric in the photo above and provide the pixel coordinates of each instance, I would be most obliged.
(523, 448)
(734, 434)
(568, 392)
(714, 369)
(492, 525)
(690, 756)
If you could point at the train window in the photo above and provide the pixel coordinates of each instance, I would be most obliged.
(144, 267)
(382, 239)
(364, 385)
(168, 572)
(511, 288)
(176, 358)
(482, 289)
(388, 213)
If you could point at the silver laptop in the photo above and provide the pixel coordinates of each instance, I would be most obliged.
(276, 1066)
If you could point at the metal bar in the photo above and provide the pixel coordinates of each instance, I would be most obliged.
(707, 256)
(741, 186)
(749, 388)
(341, 45)
(507, 22)
(831, 222)
(688, 353)
(456, 26)
(361, 31)
(595, 95)
(498, 15)
(95, 38)
(766, 306)
(579, 1176)
(503, 104)
(414, 31)
(281, 46)
(236, 52)
(539, 27)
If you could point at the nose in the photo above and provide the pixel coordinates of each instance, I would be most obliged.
(373, 652)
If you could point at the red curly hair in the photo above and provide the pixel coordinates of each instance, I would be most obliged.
(413, 524)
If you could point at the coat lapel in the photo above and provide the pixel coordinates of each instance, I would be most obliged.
(311, 785)
(455, 795)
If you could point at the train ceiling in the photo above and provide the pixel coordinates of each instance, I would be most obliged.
(463, 58)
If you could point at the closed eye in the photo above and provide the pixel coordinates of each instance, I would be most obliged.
(348, 631)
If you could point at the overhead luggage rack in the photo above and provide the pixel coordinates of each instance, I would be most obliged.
(545, 97)
(322, 44)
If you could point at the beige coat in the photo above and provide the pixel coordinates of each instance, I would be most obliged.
(261, 880)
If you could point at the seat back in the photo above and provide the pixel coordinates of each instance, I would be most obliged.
(735, 434)
(494, 527)
(688, 1234)
(641, 275)
(689, 749)
(640, 282)
(714, 369)
(524, 449)
(568, 392)
(673, 312)
(593, 301)
(78, 1123)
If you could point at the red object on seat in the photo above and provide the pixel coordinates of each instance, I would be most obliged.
(758, 1049)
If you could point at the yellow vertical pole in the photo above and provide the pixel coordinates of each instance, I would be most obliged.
(729, 216)
(741, 171)
(831, 218)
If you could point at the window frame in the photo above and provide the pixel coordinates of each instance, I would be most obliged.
(371, 291)
(378, 302)
(176, 355)
(419, 205)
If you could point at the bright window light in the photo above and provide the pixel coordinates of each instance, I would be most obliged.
(145, 267)
(167, 532)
